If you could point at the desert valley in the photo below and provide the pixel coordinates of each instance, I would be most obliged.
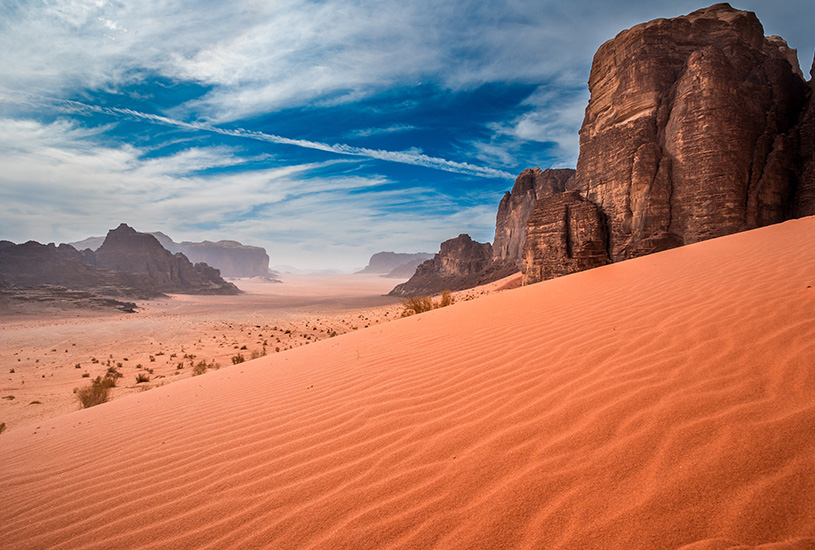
(628, 364)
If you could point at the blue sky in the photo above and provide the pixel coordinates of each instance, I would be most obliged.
(323, 131)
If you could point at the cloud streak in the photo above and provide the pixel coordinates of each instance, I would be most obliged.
(413, 158)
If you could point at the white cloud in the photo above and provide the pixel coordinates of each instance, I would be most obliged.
(61, 185)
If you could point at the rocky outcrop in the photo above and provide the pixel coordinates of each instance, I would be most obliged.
(805, 197)
(385, 263)
(32, 265)
(128, 251)
(461, 263)
(690, 132)
(516, 206)
(566, 234)
(231, 258)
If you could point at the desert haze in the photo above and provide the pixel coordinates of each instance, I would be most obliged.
(661, 402)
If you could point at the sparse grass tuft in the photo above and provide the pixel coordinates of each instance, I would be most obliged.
(94, 394)
(239, 358)
(142, 377)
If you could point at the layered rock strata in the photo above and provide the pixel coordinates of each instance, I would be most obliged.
(516, 206)
(385, 263)
(690, 132)
(231, 258)
(461, 263)
(566, 234)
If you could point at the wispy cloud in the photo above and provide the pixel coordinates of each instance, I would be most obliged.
(411, 157)
(392, 129)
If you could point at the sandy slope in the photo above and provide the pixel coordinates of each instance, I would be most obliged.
(664, 402)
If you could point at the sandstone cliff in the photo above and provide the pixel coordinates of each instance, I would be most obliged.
(128, 251)
(386, 262)
(231, 258)
(516, 206)
(567, 234)
(690, 132)
(805, 198)
(461, 263)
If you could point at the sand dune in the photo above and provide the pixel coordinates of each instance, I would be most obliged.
(663, 402)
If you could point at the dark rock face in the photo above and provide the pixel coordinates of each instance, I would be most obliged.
(232, 258)
(461, 263)
(33, 264)
(128, 251)
(690, 132)
(566, 234)
(516, 206)
(387, 262)
(805, 197)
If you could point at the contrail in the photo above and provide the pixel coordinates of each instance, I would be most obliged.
(403, 157)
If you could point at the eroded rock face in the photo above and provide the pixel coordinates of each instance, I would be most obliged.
(386, 262)
(566, 234)
(690, 132)
(128, 251)
(461, 263)
(231, 258)
(516, 206)
(805, 198)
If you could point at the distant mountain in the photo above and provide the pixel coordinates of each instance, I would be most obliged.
(128, 263)
(386, 263)
(232, 258)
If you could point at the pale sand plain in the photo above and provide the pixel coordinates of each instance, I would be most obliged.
(47, 353)
(662, 402)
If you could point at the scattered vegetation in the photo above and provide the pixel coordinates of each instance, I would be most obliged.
(239, 358)
(419, 304)
(96, 393)
(202, 366)
(142, 377)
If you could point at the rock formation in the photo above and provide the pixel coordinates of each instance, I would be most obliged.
(128, 251)
(516, 206)
(386, 262)
(567, 234)
(232, 258)
(128, 264)
(805, 197)
(697, 127)
(461, 263)
(32, 264)
(690, 130)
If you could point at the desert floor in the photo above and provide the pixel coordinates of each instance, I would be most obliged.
(663, 402)
(47, 353)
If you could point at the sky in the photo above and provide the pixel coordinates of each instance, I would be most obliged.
(324, 131)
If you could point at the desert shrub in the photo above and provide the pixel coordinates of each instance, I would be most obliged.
(179, 366)
(94, 394)
(416, 304)
(113, 373)
(259, 353)
(239, 358)
(2, 427)
(199, 368)
(446, 299)
(142, 377)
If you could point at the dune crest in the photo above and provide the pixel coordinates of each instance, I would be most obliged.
(661, 402)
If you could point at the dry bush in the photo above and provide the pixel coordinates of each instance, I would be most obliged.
(199, 368)
(417, 304)
(96, 393)
(446, 299)
(239, 358)
(141, 377)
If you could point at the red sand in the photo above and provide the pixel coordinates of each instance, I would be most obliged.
(663, 402)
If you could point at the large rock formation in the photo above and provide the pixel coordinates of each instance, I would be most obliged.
(32, 264)
(697, 127)
(567, 234)
(128, 251)
(461, 263)
(805, 197)
(385, 263)
(690, 132)
(231, 258)
(516, 206)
